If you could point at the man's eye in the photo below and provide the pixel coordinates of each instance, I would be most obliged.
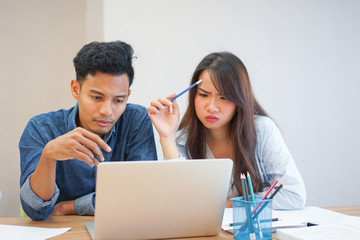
(119, 100)
(96, 97)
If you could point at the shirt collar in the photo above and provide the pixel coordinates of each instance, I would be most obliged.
(110, 133)
(72, 123)
(72, 118)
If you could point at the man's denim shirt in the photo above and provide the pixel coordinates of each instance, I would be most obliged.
(130, 139)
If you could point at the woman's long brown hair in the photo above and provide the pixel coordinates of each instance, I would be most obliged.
(230, 78)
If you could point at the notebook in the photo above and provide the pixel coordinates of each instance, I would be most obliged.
(329, 225)
(160, 199)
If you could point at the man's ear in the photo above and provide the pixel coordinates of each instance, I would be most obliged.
(129, 93)
(75, 89)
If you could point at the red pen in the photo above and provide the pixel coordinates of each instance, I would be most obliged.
(271, 188)
(266, 194)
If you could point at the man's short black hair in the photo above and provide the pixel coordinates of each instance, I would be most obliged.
(107, 57)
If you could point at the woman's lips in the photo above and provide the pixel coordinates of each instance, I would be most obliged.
(211, 118)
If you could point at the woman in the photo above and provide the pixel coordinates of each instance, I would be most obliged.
(224, 120)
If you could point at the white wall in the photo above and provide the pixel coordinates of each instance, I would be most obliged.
(38, 41)
(303, 60)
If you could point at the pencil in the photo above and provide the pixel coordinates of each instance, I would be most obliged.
(266, 194)
(271, 197)
(277, 190)
(255, 214)
(195, 84)
(253, 199)
(262, 221)
(96, 156)
(247, 208)
(271, 188)
(250, 187)
(245, 190)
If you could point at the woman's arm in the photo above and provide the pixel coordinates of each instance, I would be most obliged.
(276, 160)
(165, 115)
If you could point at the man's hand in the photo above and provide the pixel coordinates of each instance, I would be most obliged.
(64, 208)
(79, 143)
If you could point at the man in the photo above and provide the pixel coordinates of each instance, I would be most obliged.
(59, 151)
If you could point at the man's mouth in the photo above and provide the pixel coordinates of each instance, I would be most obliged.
(103, 123)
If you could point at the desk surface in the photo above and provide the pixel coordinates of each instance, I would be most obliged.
(78, 229)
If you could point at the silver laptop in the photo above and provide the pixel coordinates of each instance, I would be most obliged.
(160, 199)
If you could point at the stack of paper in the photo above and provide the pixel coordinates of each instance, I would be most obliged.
(346, 228)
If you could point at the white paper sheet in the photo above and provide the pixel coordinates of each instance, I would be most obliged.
(11, 232)
(314, 215)
(292, 218)
(227, 219)
(331, 225)
(322, 232)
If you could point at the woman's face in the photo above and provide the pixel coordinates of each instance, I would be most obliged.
(212, 109)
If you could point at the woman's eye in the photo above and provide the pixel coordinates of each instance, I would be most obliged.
(203, 94)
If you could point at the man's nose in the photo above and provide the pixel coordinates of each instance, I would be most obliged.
(106, 108)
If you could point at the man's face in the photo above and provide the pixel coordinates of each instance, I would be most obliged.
(102, 99)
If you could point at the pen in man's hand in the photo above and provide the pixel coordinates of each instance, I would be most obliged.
(97, 157)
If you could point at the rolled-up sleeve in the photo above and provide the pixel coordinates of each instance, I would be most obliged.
(31, 146)
(84, 205)
(36, 208)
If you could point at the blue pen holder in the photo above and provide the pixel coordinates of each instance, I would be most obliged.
(252, 219)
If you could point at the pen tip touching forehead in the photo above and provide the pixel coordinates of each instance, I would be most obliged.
(198, 82)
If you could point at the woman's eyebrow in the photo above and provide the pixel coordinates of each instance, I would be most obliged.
(203, 90)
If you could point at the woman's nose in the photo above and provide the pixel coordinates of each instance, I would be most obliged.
(213, 105)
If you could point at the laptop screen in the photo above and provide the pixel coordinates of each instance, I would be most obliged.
(161, 199)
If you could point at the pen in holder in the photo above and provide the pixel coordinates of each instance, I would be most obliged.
(252, 225)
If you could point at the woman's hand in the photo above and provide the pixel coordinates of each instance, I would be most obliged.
(165, 116)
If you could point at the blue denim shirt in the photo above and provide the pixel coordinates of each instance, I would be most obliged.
(131, 139)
